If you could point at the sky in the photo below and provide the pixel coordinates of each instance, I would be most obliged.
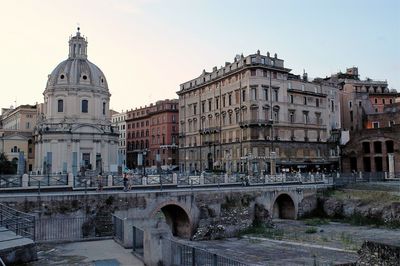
(147, 48)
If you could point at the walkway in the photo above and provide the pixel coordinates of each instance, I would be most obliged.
(89, 253)
(158, 190)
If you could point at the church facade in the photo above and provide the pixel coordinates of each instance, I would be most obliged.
(74, 131)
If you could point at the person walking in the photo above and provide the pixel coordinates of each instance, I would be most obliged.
(125, 180)
(99, 182)
(130, 182)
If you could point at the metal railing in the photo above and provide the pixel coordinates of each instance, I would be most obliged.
(183, 254)
(118, 228)
(192, 180)
(48, 180)
(20, 223)
(73, 228)
(9, 181)
(137, 241)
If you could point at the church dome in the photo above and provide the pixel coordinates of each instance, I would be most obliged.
(77, 71)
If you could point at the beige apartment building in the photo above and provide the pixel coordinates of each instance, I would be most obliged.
(16, 135)
(254, 116)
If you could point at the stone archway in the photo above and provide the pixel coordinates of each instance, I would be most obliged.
(177, 219)
(284, 207)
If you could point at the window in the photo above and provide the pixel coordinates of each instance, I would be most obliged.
(332, 106)
(209, 105)
(375, 124)
(389, 146)
(376, 100)
(194, 109)
(305, 100)
(243, 95)
(377, 147)
(28, 125)
(104, 108)
(253, 72)
(350, 104)
(302, 87)
(383, 101)
(229, 99)
(265, 94)
(203, 106)
(390, 101)
(60, 106)
(276, 116)
(351, 116)
(84, 106)
(216, 103)
(305, 117)
(291, 117)
(289, 86)
(391, 123)
(223, 101)
(291, 98)
(254, 94)
(365, 147)
(276, 95)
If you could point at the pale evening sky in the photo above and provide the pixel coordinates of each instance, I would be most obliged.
(147, 48)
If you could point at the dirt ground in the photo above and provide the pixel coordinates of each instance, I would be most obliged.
(294, 243)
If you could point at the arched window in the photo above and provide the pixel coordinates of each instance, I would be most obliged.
(84, 106)
(104, 108)
(60, 106)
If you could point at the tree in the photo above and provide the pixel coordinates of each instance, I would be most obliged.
(6, 167)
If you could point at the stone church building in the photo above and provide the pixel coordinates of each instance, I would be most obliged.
(74, 131)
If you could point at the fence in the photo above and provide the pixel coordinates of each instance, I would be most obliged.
(118, 224)
(21, 223)
(137, 241)
(10, 181)
(183, 254)
(362, 177)
(73, 228)
(48, 180)
(184, 180)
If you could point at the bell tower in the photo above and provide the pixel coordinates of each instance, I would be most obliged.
(77, 46)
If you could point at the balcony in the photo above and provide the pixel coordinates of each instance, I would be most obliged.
(210, 130)
(256, 123)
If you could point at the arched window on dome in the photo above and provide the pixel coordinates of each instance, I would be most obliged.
(60, 106)
(84, 106)
(104, 108)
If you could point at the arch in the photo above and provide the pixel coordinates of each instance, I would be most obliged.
(177, 218)
(284, 207)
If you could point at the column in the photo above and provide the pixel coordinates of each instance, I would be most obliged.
(391, 165)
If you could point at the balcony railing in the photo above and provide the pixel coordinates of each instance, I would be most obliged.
(209, 130)
(256, 122)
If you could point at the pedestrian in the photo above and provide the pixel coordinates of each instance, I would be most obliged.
(130, 181)
(99, 182)
(125, 180)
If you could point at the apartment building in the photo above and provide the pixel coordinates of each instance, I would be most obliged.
(118, 121)
(360, 98)
(152, 135)
(16, 135)
(254, 116)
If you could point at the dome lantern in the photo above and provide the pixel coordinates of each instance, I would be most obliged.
(77, 46)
